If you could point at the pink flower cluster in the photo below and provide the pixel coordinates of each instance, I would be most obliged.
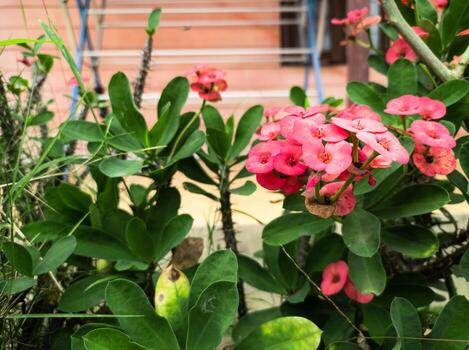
(433, 154)
(321, 148)
(356, 22)
(335, 277)
(401, 49)
(209, 82)
(439, 4)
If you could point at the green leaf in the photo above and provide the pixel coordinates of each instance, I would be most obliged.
(412, 200)
(247, 125)
(109, 339)
(175, 93)
(191, 168)
(124, 109)
(254, 274)
(97, 244)
(192, 145)
(74, 198)
(433, 40)
(212, 118)
(458, 180)
(389, 31)
(298, 97)
(462, 269)
(218, 142)
(377, 320)
(82, 130)
(172, 297)
(411, 240)
(220, 266)
(19, 257)
(367, 274)
(116, 167)
(211, 316)
(378, 63)
(152, 331)
(450, 92)
(248, 323)
(361, 232)
(464, 159)
(402, 78)
(41, 118)
(454, 20)
(193, 188)
(166, 208)
(57, 254)
(84, 293)
(138, 239)
(452, 325)
(247, 189)
(326, 250)
(406, 322)
(17, 285)
(289, 227)
(425, 10)
(286, 333)
(363, 94)
(153, 21)
(173, 233)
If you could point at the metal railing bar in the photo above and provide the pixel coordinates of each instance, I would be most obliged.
(199, 10)
(205, 23)
(220, 60)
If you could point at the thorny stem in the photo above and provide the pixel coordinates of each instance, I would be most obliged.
(421, 49)
(355, 148)
(143, 73)
(461, 67)
(229, 232)
(404, 124)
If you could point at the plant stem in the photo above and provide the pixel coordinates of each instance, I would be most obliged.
(143, 73)
(404, 124)
(355, 148)
(182, 133)
(229, 232)
(421, 49)
(461, 67)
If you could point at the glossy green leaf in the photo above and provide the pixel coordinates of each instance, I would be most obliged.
(254, 274)
(462, 269)
(406, 322)
(19, 257)
(361, 232)
(116, 167)
(109, 339)
(176, 94)
(454, 20)
(82, 130)
(247, 189)
(153, 21)
(98, 244)
(42, 118)
(363, 94)
(324, 251)
(298, 97)
(172, 297)
(173, 233)
(192, 169)
(190, 146)
(17, 285)
(57, 254)
(412, 200)
(191, 187)
(152, 331)
(84, 293)
(367, 274)
(289, 227)
(124, 109)
(402, 78)
(211, 316)
(220, 266)
(378, 63)
(218, 142)
(452, 324)
(426, 10)
(450, 92)
(165, 209)
(212, 118)
(377, 320)
(464, 158)
(138, 239)
(249, 322)
(247, 125)
(411, 240)
(286, 333)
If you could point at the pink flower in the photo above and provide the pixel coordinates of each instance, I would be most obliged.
(420, 32)
(365, 24)
(378, 162)
(432, 134)
(385, 144)
(269, 131)
(307, 129)
(464, 32)
(270, 181)
(346, 201)
(353, 293)
(261, 157)
(440, 4)
(271, 112)
(209, 83)
(333, 158)
(301, 112)
(400, 49)
(292, 185)
(358, 125)
(334, 277)
(431, 109)
(359, 112)
(287, 161)
(196, 69)
(287, 123)
(433, 161)
(355, 16)
(211, 76)
(404, 105)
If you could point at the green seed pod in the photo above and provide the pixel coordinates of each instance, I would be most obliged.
(103, 265)
(172, 296)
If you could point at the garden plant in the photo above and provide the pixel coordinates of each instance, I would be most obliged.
(371, 249)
